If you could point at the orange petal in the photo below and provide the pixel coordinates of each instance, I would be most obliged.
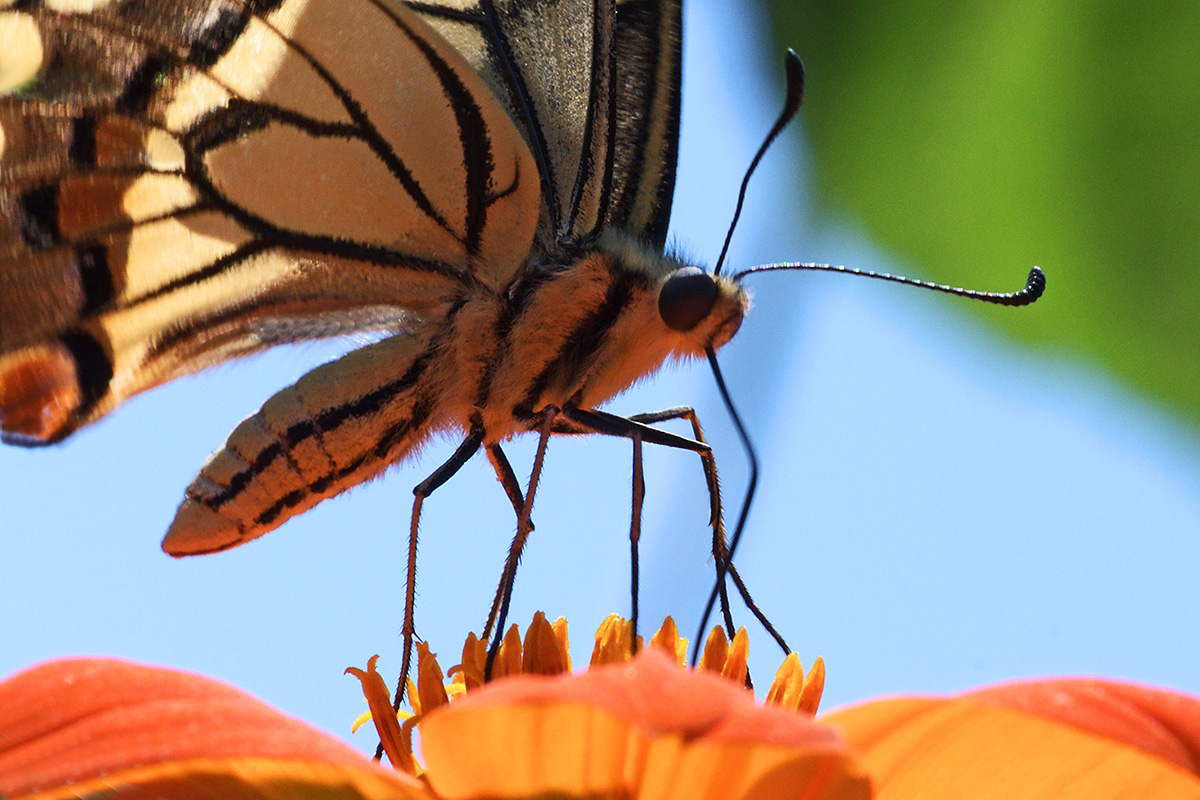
(379, 700)
(735, 667)
(983, 748)
(564, 642)
(612, 641)
(70, 721)
(644, 728)
(431, 688)
(544, 654)
(245, 779)
(716, 649)
(788, 685)
(667, 637)
(814, 687)
(474, 660)
(508, 660)
(1161, 723)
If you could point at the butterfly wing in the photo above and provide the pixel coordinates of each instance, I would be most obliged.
(594, 87)
(183, 182)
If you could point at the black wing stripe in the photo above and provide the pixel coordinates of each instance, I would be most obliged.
(472, 136)
(369, 133)
(648, 67)
(81, 149)
(153, 74)
(596, 154)
(96, 278)
(220, 36)
(93, 261)
(195, 326)
(93, 365)
(430, 10)
(520, 92)
(39, 217)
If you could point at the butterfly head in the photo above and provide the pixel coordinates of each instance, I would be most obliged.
(706, 307)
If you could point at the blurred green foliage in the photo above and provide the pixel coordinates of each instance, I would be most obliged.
(977, 139)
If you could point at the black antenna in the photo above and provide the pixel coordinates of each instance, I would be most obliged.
(1035, 284)
(795, 95)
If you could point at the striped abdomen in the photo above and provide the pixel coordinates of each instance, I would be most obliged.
(338, 426)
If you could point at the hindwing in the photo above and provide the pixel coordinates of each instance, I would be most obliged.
(185, 181)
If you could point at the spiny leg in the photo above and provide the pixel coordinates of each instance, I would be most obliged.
(754, 609)
(709, 464)
(714, 491)
(743, 514)
(423, 489)
(509, 576)
(716, 518)
(508, 479)
(635, 533)
(593, 421)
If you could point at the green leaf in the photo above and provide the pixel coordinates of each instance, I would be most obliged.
(977, 139)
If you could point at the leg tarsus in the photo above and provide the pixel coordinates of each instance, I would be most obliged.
(425, 488)
(508, 577)
(635, 533)
(591, 420)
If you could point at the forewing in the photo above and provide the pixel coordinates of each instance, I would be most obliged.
(551, 63)
(183, 181)
(648, 42)
(594, 86)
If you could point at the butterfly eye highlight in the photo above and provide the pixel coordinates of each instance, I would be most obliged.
(686, 298)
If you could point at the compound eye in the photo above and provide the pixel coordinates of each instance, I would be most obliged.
(687, 298)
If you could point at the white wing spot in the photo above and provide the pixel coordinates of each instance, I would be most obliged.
(21, 51)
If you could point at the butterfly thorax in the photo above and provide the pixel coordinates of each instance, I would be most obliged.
(577, 334)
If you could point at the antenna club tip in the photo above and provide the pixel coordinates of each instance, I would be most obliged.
(794, 69)
(1035, 284)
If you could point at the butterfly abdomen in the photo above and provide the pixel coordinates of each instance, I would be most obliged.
(340, 425)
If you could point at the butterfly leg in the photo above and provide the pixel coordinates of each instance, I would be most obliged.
(716, 517)
(548, 416)
(714, 493)
(709, 464)
(721, 552)
(635, 533)
(508, 479)
(635, 428)
(425, 488)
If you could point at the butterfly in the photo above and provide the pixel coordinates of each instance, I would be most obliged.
(485, 183)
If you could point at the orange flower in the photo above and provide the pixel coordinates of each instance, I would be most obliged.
(1065, 738)
(645, 728)
(75, 728)
(641, 727)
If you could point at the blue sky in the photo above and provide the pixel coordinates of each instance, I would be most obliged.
(938, 509)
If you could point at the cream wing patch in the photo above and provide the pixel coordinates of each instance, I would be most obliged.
(20, 51)
(262, 65)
